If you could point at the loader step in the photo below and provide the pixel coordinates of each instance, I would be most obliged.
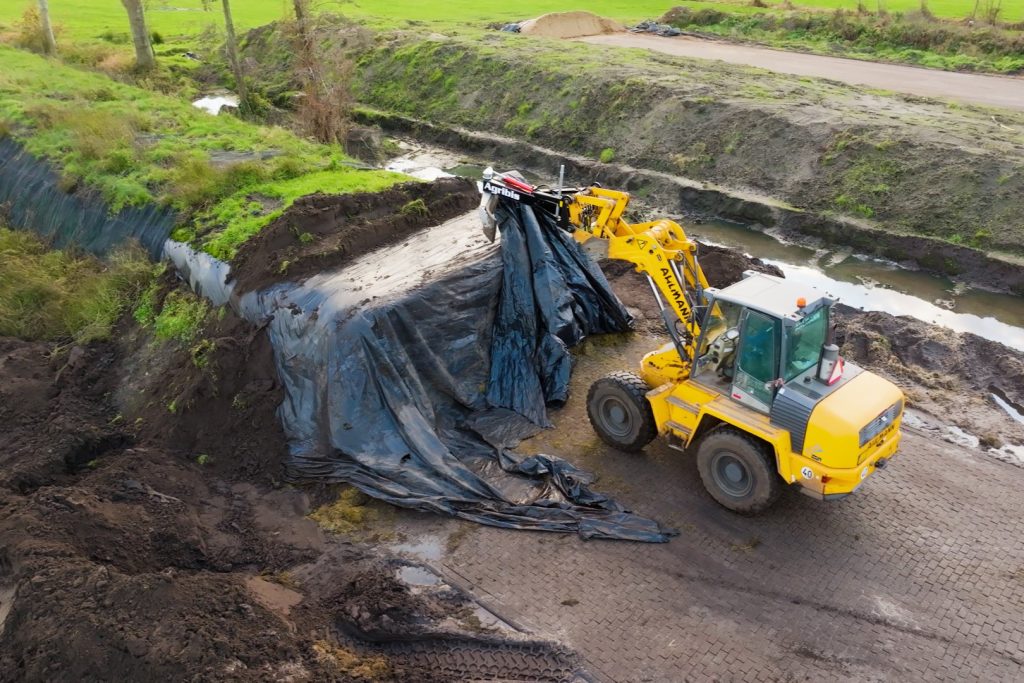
(679, 429)
(680, 403)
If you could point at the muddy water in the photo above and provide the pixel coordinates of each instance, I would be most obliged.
(876, 285)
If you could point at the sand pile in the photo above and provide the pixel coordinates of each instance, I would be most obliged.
(569, 25)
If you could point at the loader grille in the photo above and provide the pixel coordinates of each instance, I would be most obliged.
(877, 425)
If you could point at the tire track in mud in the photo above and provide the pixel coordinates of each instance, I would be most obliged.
(454, 658)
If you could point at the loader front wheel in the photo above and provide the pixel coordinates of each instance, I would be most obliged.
(619, 412)
(738, 470)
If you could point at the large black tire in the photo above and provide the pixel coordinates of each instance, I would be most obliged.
(619, 412)
(738, 470)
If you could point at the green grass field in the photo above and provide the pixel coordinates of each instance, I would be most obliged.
(91, 19)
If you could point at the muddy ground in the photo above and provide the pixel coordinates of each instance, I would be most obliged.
(148, 535)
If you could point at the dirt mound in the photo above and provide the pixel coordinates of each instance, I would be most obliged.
(569, 25)
(145, 534)
(320, 231)
(930, 355)
(52, 407)
(721, 266)
(122, 559)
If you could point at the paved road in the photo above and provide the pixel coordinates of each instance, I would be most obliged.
(920, 576)
(994, 91)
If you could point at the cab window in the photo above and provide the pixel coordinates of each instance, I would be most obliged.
(757, 363)
(723, 316)
(804, 342)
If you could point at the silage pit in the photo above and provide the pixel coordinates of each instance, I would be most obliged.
(413, 370)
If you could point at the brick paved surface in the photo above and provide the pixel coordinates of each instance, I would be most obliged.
(919, 576)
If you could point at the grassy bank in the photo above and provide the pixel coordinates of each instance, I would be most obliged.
(61, 295)
(226, 177)
(908, 166)
(913, 38)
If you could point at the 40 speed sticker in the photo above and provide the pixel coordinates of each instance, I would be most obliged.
(807, 472)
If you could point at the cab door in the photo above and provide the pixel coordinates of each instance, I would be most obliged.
(757, 360)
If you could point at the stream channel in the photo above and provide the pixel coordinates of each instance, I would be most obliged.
(859, 281)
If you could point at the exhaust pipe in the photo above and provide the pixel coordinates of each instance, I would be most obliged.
(830, 366)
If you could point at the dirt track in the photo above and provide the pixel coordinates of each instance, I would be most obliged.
(992, 91)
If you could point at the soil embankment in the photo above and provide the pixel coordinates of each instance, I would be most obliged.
(319, 232)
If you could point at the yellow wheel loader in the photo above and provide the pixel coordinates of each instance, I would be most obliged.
(750, 382)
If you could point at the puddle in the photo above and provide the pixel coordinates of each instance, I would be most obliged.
(418, 576)
(212, 104)
(428, 548)
(958, 436)
(877, 285)
(488, 621)
(1009, 453)
(6, 603)
(1007, 408)
(425, 163)
(272, 596)
(431, 163)
(1012, 454)
(416, 168)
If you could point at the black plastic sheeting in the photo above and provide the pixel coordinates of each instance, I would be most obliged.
(32, 200)
(417, 396)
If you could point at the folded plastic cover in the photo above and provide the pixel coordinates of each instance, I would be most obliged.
(413, 373)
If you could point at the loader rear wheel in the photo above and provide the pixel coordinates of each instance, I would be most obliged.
(619, 412)
(738, 470)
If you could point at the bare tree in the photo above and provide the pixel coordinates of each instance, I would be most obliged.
(144, 57)
(301, 12)
(231, 44)
(991, 10)
(49, 43)
(326, 80)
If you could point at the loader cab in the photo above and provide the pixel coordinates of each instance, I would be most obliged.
(756, 336)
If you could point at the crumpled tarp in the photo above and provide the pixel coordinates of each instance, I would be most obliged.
(417, 396)
(663, 30)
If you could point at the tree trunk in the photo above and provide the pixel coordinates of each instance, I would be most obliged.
(144, 58)
(236, 67)
(49, 44)
(301, 12)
